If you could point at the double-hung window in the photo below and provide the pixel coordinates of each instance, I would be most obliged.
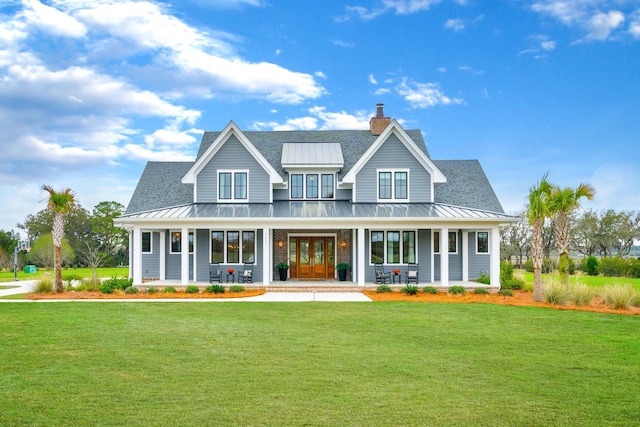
(176, 242)
(312, 186)
(393, 185)
(147, 242)
(233, 247)
(482, 242)
(452, 242)
(297, 186)
(393, 247)
(233, 185)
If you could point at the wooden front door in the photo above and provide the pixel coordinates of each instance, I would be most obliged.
(312, 257)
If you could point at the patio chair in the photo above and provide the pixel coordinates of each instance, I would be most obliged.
(381, 276)
(412, 274)
(246, 275)
(215, 273)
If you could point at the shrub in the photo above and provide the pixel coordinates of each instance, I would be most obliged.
(481, 291)
(613, 267)
(409, 289)
(131, 290)
(618, 296)
(506, 271)
(215, 289)
(548, 265)
(484, 279)
(634, 268)
(153, 290)
(506, 292)
(115, 283)
(555, 292)
(528, 265)
(192, 289)
(581, 294)
(457, 290)
(430, 290)
(169, 290)
(383, 288)
(591, 266)
(44, 285)
(513, 283)
(236, 288)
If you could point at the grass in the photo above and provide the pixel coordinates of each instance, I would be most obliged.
(595, 281)
(7, 276)
(155, 364)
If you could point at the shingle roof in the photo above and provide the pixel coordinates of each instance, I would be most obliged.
(161, 186)
(467, 185)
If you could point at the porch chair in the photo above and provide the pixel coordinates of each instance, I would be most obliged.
(381, 276)
(412, 274)
(246, 276)
(215, 272)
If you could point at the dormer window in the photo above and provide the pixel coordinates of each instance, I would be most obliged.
(393, 185)
(312, 186)
(232, 185)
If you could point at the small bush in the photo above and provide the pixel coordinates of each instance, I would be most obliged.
(153, 290)
(513, 283)
(409, 289)
(481, 291)
(169, 290)
(506, 271)
(192, 289)
(44, 285)
(215, 289)
(115, 283)
(581, 294)
(236, 288)
(383, 288)
(430, 290)
(555, 292)
(613, 267)
(131, 290)
(457, 290)
(484, 279)
(506, 292)
(548, 265)
(619, 296)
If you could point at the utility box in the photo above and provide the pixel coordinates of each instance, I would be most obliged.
(30, 269)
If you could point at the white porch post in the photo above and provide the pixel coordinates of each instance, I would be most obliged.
(137, 255)
(266, 256)
(444, 256)
(354, 255)
(184, 256)
(130, 254)
(163, 255)
(361, 257)
(494, 256)
(465, 256)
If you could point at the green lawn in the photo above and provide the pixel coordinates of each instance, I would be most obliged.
(362, 364)
(596, 281)
(7, 276)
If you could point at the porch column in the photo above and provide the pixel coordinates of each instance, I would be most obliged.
(494, 256)
(354, 255)
(266, 256)
(163, 256)
(137, 255)
(361, 257)
(465, 256)
(444, 256)
(184, 256)
(130, 253)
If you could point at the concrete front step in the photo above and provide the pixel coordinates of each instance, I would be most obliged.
(310, 288)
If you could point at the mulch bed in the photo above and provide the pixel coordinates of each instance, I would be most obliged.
(519, 298)
(79, 295)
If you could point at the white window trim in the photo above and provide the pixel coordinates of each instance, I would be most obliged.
(225, 245)
(401, 231)
(440, 246)
(191, 233)
(488, 252)
(393, 185)
(233, 173)
(150, 243)
(319, 183)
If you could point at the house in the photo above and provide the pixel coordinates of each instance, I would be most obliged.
(314, 199)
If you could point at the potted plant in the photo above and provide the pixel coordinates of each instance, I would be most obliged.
(342, 268)
(282, 270)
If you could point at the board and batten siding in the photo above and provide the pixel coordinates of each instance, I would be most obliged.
(393, 155)
(233, 156)
(478, 263)
(151, 262)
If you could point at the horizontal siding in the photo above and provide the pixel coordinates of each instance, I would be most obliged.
(151, 262)
(478, 263)
(233, 155)
(392, 154)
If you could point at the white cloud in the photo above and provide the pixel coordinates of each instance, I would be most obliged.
(454, 24)
(320, 119)
(616, 186)
(372, 79)
(344, 44)
(634, 25)
(425, 95)
(52, 20)
(400, 7)
(601, 25)
(470, 70)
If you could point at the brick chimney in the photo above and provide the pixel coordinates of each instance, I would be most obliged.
(379, 122)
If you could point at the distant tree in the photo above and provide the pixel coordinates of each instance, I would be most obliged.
(108, 235)
(42, 252)
(8, 242)
(537, 213)
(60, 203)
(585, 230)
(515, 239)
(95, 259)
(562, 203)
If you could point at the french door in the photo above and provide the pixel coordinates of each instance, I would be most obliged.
(312, 257)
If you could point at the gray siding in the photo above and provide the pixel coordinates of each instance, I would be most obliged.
(202, 255)
(478, 263)
(151, 262)
(393, 155)
(173, 263)
(233, 155)
(455, 261)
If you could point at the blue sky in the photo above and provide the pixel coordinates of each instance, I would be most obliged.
(90, 90)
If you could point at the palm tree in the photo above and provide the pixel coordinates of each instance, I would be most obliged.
(562, 203)
(60, 204)
(537, 212)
